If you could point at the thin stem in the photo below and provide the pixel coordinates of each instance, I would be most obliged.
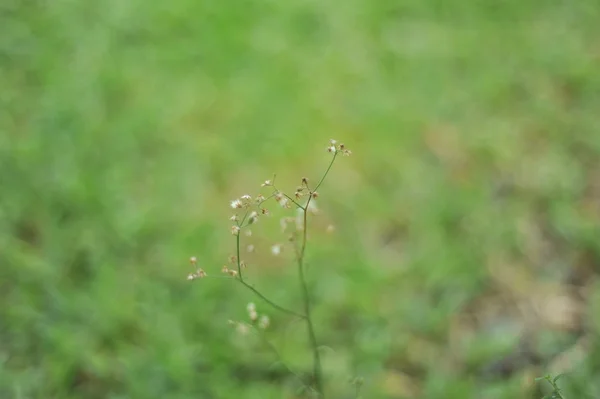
(237, 247)
(267, 300)
(317, 369)
(288, 197)
(326, 173)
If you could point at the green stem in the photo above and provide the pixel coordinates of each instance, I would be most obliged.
(325, 174)
(267, 300)
(317, 369)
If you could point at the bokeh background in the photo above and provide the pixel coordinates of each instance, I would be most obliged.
(466, 248)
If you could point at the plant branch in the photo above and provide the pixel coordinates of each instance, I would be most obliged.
(326, 173)
(267, 300)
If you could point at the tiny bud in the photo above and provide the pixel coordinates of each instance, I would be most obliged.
(235, 230)
(201, 273)
(251, 307)
(347, 153)
(193, 260)
(191, 276)
(253, 217)
(332, 142)
(232, 259)
(243, 264)
(224, 269)
(315, 194)
(267, 183)
(298, 194)
(253, 315)
(265, 211)
(234, 218)
(304, 180)
(341, 147)
(264, 322)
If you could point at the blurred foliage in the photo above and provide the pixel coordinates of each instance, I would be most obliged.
(466, 249)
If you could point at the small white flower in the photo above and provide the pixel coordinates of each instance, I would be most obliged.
(236, 204)
(267, 183)
(276, 249)
(246, 197)
(251, 307)
(248, 233)
(234, 218)
(193, 260)
(250, 248)
(235, 230)
(331, 149)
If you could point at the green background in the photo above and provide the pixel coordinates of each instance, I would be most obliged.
(466, 218)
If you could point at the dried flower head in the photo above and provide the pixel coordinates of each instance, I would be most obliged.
(232, 259)
(235, 230)
(260, 199)
(315, 194)
(197, 274)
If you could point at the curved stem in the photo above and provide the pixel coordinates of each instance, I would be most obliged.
(326, 173)
(267, 300)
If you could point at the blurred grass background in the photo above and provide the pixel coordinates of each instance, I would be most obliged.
(466, 247)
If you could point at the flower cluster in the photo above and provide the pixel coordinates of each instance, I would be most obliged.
(256, 320)
(335, 148)
(198, 273)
